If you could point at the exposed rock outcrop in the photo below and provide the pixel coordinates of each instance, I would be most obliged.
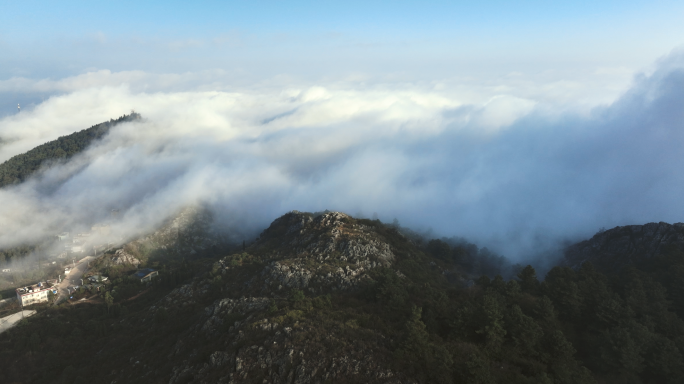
(121, 257)
(326, 253)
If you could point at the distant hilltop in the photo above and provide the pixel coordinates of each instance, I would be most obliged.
(615, 248)
(20, 167)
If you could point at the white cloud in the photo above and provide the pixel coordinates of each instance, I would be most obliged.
(502, 111)
(503, 169)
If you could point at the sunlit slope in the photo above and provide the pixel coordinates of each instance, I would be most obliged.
(21, 167)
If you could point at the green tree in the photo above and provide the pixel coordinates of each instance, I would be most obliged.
(476, 369)
(389, 289)
(512, 288)
(559, 347)
(109, 300)
(428, 361)
(544, 309)
(491, 321)
(523, 331)
(296, 295)
(324, 301)
(622, 351)
(528, 280)
(498, 284)
(272, 307)
(665, 361)
(561, 287)
(439, 249)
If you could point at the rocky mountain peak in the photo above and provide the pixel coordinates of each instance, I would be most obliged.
(302, 254)
(330, 237)
(614, 248)
(318, 254)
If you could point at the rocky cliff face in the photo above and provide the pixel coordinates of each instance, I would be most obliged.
(620, 246)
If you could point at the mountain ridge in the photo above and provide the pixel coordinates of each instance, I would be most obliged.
(320, 298)
(615, 248)
(20, 167)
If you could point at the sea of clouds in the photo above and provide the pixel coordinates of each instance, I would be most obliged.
(517, 170)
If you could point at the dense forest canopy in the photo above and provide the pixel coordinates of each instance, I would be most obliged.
(21, 167)
(579, 325)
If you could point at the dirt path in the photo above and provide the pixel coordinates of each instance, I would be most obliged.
(88, 300)
(73, 278)
(138, 295)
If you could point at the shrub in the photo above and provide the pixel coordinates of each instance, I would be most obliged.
(296, 295)
(322, 302)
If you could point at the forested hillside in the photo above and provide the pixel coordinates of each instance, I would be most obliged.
(20, 167)
(331, 298)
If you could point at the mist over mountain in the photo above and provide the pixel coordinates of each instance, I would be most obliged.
(328, 297)
(510, 173)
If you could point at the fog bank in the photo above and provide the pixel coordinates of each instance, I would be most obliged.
(514, 173)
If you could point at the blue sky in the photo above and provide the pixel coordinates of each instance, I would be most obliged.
(53, 39)
(596, 46)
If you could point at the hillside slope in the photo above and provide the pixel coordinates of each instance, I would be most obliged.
(615, 248)
(20, 167)
(277, 321)
(333, 299)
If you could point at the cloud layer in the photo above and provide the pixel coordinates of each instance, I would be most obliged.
(513, 172)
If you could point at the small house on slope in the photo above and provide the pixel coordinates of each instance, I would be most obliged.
(146, 274)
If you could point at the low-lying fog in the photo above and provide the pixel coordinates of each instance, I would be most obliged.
(516, 174)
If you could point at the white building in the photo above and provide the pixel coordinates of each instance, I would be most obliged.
(34, 294)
